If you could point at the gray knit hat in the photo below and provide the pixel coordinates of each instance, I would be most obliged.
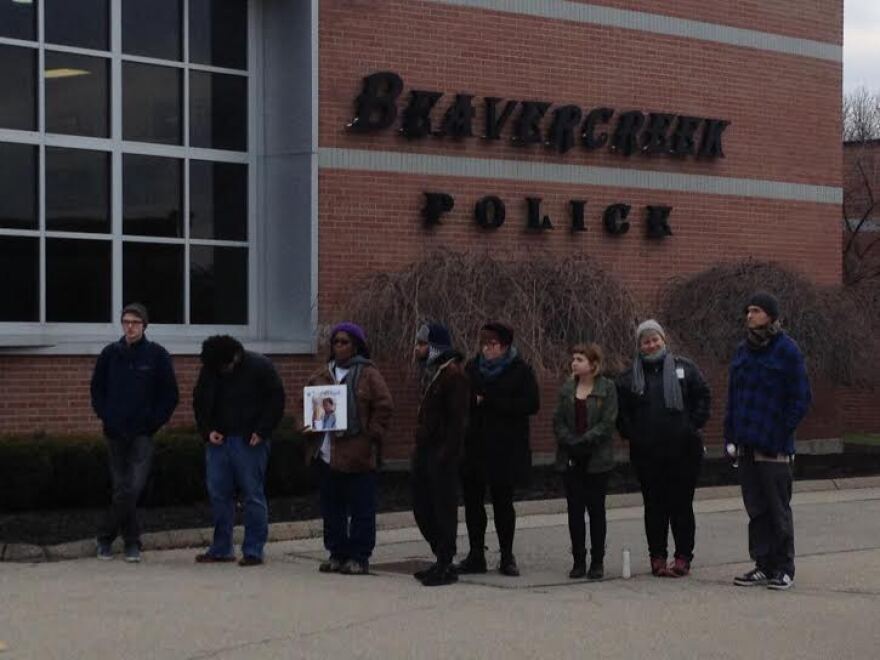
(651, 325)
(138, 310)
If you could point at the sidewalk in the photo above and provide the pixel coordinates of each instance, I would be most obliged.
(168, 607)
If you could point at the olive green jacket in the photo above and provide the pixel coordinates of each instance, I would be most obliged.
(594, 446)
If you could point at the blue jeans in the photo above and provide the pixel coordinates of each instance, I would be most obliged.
(129, 460)
(235, 464)
(348, 506)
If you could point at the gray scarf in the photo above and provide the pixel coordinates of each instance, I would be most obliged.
(354, 366)
(672, 395)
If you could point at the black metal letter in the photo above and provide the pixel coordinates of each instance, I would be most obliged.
(595, 116)
(577, 215)
(654, 136)
(527, 128)
(710, 147)
(682, 142)
(493, 124)
(626, 136)
(565, 120)
(416, 121)
(376, 106)
(457, 120)
(436, 204)
(658, 221)
(535, 221)
(615, 220)
(489, 212)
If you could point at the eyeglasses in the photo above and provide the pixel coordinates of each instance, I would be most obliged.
(132, 322)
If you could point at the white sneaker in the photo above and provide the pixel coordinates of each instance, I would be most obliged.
(780, 582)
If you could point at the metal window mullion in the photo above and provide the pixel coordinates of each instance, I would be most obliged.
(257, 288)
(41, 168)
(187, 289)
(116, 201)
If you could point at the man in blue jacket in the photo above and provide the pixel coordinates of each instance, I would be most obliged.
(134, 393)
(768, 396)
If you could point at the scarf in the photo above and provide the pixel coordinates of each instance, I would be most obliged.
(430, 366)
(759, 338)
(672, 395)
(354, 366)
(491, 369)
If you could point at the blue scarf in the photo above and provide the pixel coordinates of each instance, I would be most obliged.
(491, 369)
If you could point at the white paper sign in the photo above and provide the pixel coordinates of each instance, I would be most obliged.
(325, 408)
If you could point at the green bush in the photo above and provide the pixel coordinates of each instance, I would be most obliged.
(57, 472)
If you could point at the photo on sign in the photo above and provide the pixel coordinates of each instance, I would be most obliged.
(325, 408)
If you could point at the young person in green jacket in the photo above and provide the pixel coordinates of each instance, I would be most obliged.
(583, 425)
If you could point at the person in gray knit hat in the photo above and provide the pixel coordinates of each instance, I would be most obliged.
(663, 403)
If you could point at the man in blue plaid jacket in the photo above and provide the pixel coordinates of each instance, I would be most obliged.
(768, 396)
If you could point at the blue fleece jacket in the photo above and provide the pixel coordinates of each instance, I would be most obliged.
(134, 390)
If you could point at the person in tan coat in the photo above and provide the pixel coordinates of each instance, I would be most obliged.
(347, 460)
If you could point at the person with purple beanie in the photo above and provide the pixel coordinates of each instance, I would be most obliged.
(346, 461)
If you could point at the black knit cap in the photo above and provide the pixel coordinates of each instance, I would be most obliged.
(767, 302)
(138, 310)
(503, 332)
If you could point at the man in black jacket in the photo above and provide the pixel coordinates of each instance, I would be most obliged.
(504, 394)
(238, 401)
(134, 393)
(439, 435)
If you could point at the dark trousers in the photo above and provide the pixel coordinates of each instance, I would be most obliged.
(236, 465)
(129, 460)
(766, 491)
(348, 507)
(585, 492)
(474, 485)
(435, 502)
(668, 485)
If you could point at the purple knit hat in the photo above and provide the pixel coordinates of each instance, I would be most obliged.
(354, 331)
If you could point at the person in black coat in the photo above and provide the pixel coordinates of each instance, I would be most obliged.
(663, 403)
(134, 392)
(504, 394)
(238, 401)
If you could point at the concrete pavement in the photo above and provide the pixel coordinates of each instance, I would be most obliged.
(168, 607)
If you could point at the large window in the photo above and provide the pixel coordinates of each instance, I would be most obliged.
(126, 163)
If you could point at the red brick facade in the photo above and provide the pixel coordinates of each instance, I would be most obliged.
(784, 111)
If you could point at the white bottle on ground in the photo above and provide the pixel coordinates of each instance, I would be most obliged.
(626, 571)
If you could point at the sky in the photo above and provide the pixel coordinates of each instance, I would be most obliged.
(861, 44)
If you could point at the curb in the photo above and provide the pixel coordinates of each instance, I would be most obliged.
(306, 529)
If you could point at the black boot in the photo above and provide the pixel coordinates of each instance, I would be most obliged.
(597, 567)
(472, 564)
(508, 566)
(443, 574)
(425, 572)
(579, 568)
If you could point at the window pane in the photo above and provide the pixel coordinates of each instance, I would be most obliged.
(78, 281)
(218, 116)
(18, 186)
(153, 275)
(151, 103)
(218, 285)
(152, 196)
(152, 28)
(18, 71)
(218, 32)
(18, 20)
(83, 23)
(77, 190)
(77, 98)
(218, 200)
(19, 279)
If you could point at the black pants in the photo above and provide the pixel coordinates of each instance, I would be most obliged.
(474, 485)
(586, 492)
(668, 485)
(435, 502)
(130, 460)
(766, 491)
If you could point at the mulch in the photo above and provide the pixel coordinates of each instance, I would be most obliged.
(59, 526)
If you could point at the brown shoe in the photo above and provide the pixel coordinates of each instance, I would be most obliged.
(208, 558)
(250, 560)
(679, 568)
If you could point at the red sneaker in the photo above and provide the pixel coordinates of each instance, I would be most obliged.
(680, 568)
(658, 567)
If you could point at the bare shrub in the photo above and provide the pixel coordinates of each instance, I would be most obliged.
(832, 325)
(550, 303)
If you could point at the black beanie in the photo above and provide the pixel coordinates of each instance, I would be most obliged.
(503, 332)
(767, 302)
(138, 310)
